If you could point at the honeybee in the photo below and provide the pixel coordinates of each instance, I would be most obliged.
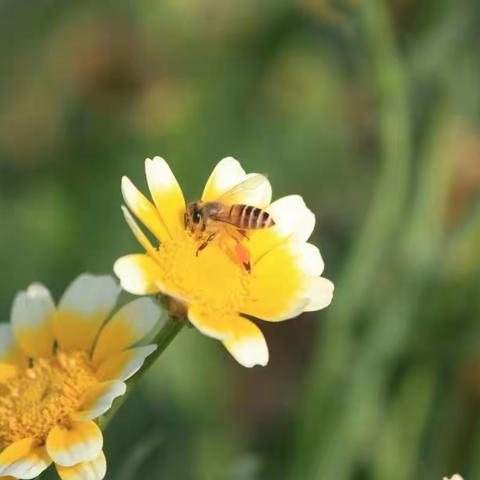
(228, 218)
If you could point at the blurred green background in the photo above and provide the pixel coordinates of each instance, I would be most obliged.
(371, 111)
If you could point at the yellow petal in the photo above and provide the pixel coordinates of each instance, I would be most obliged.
(31, 320)
(278, 286)
(24, 459)
(9, 351)
(139, 274)
(92, 470)
(123, 365)
(210, 323)
(319, 292)
(137, 231)
(294, 224)
(127, 327)
(99, 399)
(247, 345)
(267, 309)
(7, 370)
(82, 310)
(166, 193)
(143, 209)
(225, 175)
(82, 442)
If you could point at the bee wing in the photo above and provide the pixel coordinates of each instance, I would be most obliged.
(254, 189)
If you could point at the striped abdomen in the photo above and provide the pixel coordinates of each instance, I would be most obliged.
(250, 218)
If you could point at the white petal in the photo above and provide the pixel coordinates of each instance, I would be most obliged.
(82, 442)
(320, 293)
(99, 399)
(166, 193)
(308, 257)
(137, 231)
(92, 470)
(83, 309)
(143, 209)
(31, 319)
(88, 294)
(24, 459)
(248, 345)
(292, 217)
(127, 327)
(139, 274)
(225, 175)
(124, 364)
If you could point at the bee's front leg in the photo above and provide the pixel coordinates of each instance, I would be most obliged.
(243, 233)
(206, 242)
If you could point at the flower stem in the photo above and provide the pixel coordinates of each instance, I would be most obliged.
(163, 338)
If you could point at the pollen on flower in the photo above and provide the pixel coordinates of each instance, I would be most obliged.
(43, 395)
(210, 278)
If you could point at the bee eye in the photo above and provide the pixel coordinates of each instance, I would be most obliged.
(196, 216)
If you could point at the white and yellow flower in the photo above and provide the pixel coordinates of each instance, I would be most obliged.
(61, 367)
(285, 276)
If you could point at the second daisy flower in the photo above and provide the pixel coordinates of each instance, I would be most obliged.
(61, 367)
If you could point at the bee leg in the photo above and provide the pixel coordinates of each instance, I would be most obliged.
(243, 255)
(205, 243)
(244, 234)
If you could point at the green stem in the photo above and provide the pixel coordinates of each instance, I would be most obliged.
(164, 337)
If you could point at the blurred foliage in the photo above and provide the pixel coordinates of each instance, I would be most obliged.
(371, 111)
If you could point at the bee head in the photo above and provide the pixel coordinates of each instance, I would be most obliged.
(193, 216)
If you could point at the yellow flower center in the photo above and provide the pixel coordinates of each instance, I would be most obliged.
(42, 396)
(213, 278)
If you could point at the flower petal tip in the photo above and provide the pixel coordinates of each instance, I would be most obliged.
(155, 159)
(91, 470)
(229, 159)
(249, 352)
(37, 290)
(247, 344)
(320, 293)
(82, 442)
(125, 182)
